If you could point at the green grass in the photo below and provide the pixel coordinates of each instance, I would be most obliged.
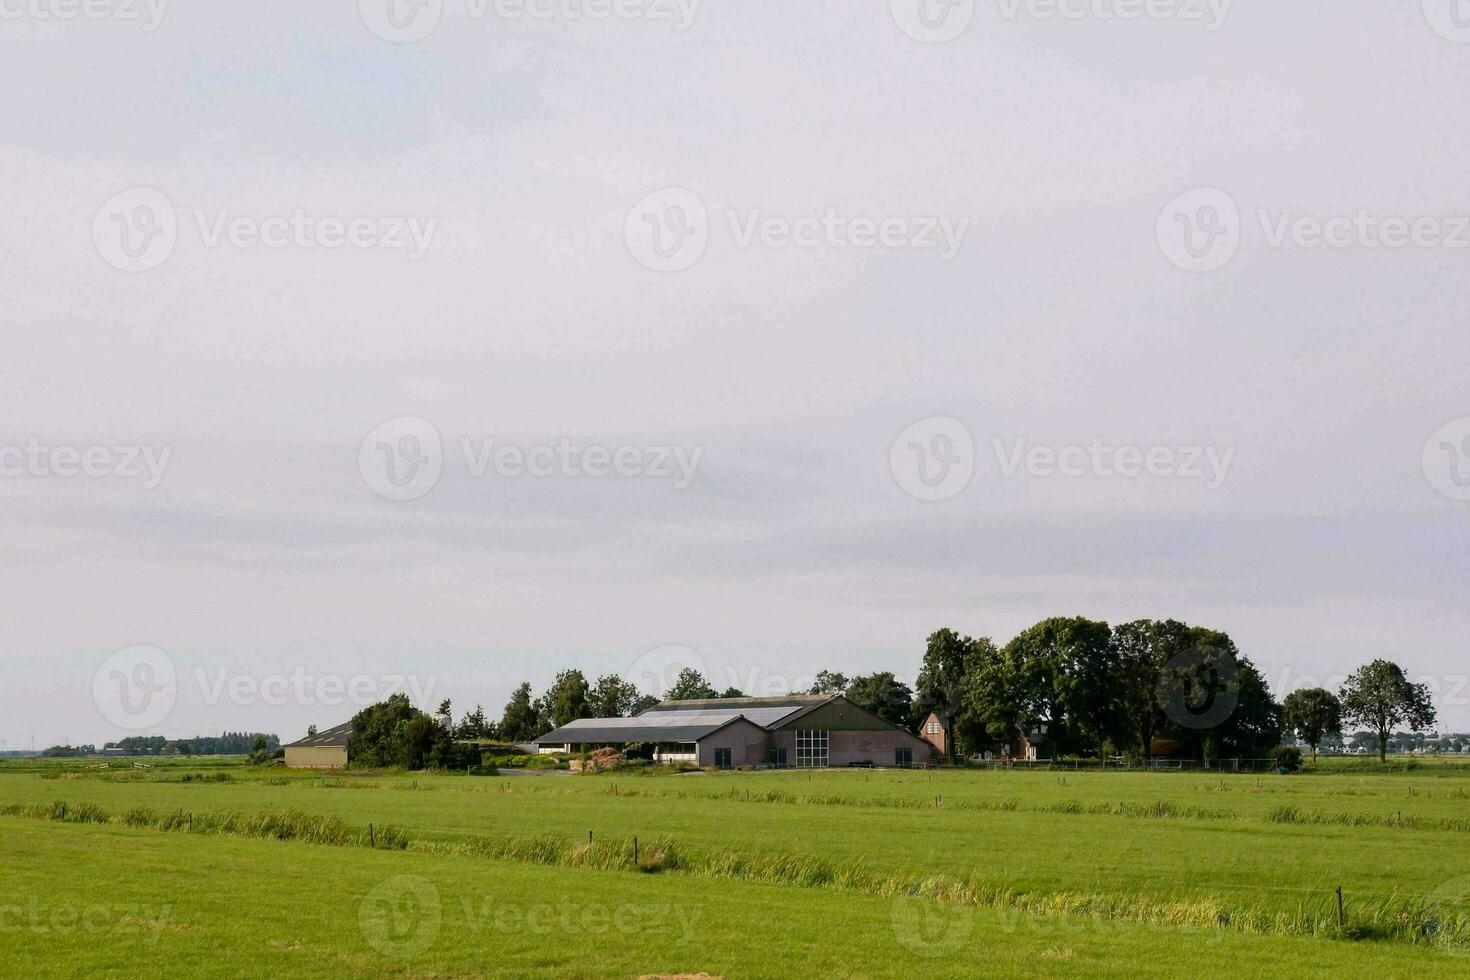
(1106, 864)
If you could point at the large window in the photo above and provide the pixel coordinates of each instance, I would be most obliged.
(903, 757)
(811, 748)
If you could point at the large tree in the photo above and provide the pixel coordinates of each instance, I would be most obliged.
(1379, 696)
(1069, 665)
(519, 722)
(884, 695)
(475, 725)
(1312, 714)
(612, 697)
(941, 683)
(395, 733)
(828, 682)
(690, 684)
(567, 699)
(1141, 651)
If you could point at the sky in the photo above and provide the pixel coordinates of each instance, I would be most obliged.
(440, 347)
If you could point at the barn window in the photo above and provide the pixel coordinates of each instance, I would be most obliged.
(811, 748)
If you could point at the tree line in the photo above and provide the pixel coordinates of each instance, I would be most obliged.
(1123, 690)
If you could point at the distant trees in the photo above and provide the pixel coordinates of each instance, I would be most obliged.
(828, 683)
(690, 684)
(1312, 714)
(884, 695)
(1379, 696)
(567, 698)
(475, 725)
(393, 733)
(941, 683)
(612, 697)
(519, 723)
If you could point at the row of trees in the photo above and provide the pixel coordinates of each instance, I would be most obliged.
(1098, 689)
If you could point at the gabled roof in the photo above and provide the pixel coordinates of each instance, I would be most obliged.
(331, 738)
(685, 721)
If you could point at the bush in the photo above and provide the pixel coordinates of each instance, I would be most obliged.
(1286, 758)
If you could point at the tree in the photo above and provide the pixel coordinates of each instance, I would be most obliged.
(612, 697)
(941, 682)
(828, 683)
(1312, 714)
(1379, 696)
(644, 702)
(310, 730)
(567, 699)
(1254, 726)
(475, 725)
(1067, 671)
(1141, 651)
(443, 707)
(884, 695)
(519, 723)
(690, 684)
(731, 692)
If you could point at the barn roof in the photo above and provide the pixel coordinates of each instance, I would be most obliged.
(331, 738)
(683, 721)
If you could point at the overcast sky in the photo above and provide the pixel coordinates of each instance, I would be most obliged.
(895, 273)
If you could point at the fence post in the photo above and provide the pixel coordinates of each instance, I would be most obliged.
(372, 838)
(635, 850)
(589, 837)
(1339, 906)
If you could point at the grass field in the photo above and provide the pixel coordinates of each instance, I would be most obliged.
(225, 870)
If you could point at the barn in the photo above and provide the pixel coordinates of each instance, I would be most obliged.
(798, 731)
(324, 750)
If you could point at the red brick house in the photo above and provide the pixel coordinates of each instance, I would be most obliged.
(936, 734)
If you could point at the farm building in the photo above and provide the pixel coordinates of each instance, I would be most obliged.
(324, 750)
(936, 734)
(803, 731)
